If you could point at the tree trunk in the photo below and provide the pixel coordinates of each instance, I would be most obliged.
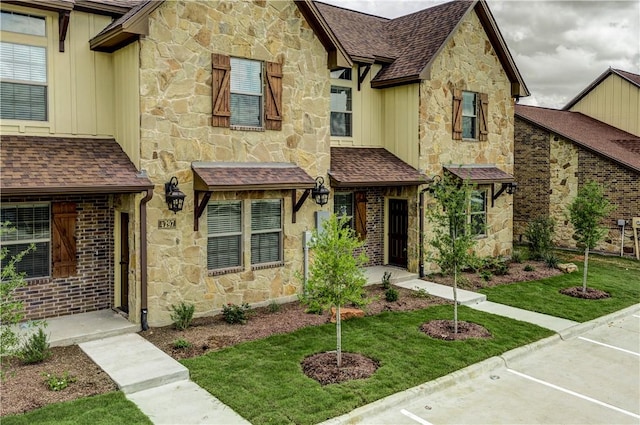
(584, 273)
(455, 299)
(339, 336)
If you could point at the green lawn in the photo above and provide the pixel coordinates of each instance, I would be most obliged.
(263, 381)
(620, 277)
(106, 409)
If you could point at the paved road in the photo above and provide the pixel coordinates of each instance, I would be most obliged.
(590, 379)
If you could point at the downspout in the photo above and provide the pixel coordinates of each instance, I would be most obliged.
(143, 259)
(421, 229)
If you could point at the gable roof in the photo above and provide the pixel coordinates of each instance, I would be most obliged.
(625, 75)
(589, 133)
(407, 46)
(55, 165)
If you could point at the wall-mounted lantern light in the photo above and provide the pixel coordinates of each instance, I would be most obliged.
(320, 193)
(510, 188)
(173, 195)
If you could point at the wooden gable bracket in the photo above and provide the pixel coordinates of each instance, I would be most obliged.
(200, 206)
(63, 27)
(362, 75)
(297, 205)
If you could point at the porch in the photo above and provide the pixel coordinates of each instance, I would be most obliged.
(77, 328)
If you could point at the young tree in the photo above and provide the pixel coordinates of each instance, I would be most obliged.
(452, 239)
(336, 276)
(585, 213)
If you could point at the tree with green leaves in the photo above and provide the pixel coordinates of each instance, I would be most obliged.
(336, 276)
(452, 240)
(586, 212)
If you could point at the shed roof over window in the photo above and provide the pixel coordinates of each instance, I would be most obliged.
(228, 176)
(480, 174)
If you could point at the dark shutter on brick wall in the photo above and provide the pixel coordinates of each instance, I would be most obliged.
(361, 214)
(221, 85)
(484, 106)
(64, 239)
(457, 115)
(273, 98)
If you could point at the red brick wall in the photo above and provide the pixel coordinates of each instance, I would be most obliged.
(91, 288)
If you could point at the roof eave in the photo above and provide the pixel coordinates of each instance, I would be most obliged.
(81, 190)
(337, 183)
(410, 79)
(127, 32)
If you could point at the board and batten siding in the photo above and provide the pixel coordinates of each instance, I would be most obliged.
(80, 82)
(614, 101)
(126, 100)
(400, 118)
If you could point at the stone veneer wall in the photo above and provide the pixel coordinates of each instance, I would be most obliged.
(532, 172)
(91, 288)
(176, 109)
(563, 159)
(469, 62)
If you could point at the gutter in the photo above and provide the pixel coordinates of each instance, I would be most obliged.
(421, 230)
(143, 260)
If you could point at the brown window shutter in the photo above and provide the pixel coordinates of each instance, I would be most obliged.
(484, 106)
(361, 215)
(457, 115)
(64, 239)
(273, 98)
(221, 85)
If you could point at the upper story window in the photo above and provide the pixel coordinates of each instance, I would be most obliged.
(247, 94)
(341, 112)
(470, 115)
(23, 67)
(341, 74)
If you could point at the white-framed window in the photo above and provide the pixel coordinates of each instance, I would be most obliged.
(343, 206)
(22, 226)
(224, 226)
(341, 74)
(478, 212)
(23, 67)
(469, 115)
(266, 231)
(246, 93)
(341, 112)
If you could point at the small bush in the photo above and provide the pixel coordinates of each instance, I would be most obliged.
(529, 268)
(539, 234)
(181, 344)
(182, 315)
(518, 256)
(36, 348)
(234, 313)
(420, 293)
(386, 280)
(551, 260)
(391, 295)
(58, 383)
(273, 307)
(486, 275)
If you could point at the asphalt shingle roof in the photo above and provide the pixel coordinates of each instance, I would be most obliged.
(611, 142)
(221, 176)
(480, 173)
(55, 165)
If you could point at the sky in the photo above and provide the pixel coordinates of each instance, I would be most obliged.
(559, 46)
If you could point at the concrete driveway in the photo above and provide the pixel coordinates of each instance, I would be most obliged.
(593, 378)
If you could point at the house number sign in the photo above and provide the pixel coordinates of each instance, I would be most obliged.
(168, 223)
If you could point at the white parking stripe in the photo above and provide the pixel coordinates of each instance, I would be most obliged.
(573, 393)
(415, 417)
(609, 346)
(636, 315)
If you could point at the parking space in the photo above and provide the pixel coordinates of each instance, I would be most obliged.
(590, 379)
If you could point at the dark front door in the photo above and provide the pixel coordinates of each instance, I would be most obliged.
(398, 232)
(124, 262)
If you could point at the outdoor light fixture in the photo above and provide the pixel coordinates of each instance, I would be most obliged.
(512, 188)
(320, 193)
(174, 196)
(435, 181)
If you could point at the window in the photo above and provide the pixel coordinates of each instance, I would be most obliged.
(266, 231)
(247, 94)
(478, 212)
(470, 115)
(343, 205)
(224, 225)
(28, 224)
(342, 74)
(23, 69)
(341, 111)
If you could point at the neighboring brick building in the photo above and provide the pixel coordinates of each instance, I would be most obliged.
(558, 151)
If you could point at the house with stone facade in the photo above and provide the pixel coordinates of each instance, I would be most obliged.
(595, 137)
(160, 152)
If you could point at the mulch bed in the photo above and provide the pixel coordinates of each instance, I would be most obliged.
(444, 329)
(590, 294)
(323, 367)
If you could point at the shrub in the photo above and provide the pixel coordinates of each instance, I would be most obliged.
(486, 275)
(391, 295)
(539, 234)
(420, 293)
(182, 315)
(58, 383)
(36, 348)
(181, 344)
(386, 280)
(273, 307)
(234, 313)
(518, 256)
(551, 260)
(529, 268)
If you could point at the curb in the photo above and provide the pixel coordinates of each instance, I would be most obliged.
(576, 330)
